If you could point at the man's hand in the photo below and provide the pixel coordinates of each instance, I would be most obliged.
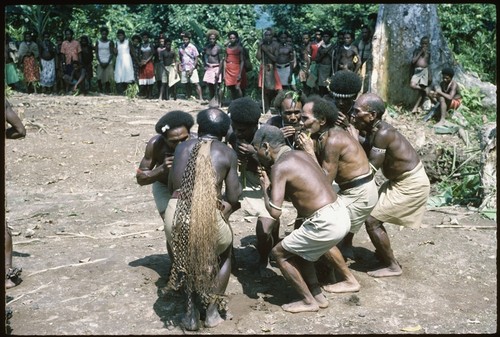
(305, 143)
(264, 179)
(245, 148)
(168, 161)
(288, 131)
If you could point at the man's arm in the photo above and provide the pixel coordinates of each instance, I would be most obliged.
(270, 51)
(111, 51)
(147, 173)
(451, 94)
(331, 159)
(356, 57)
(307, 56)
(220, 57)
(381, 142)
(232, 185)
(273, 203)
(80, 79)
(416, 55)
(96, 50)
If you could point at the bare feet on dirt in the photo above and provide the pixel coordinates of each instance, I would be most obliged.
(9, 284)
(349, 286)
(191, 320)
(300, 306)
(213, 318)
(393, 270)
(322, 300)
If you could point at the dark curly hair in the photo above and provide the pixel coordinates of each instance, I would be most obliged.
(324, 109)
(233, 32)
(297, 96)
(213, 121)
(270, 134)
(244, 110)
(172, 120)
(448, 71)
(345, 84)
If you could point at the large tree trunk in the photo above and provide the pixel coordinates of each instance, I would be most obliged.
(488, 137)
(398, 32)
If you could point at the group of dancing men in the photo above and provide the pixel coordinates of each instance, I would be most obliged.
(320, 153)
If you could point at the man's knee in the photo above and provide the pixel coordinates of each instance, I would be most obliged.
(372, 224)
(265, 226)
(278, 252)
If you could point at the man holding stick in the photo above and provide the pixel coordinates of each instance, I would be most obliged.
(269, 79)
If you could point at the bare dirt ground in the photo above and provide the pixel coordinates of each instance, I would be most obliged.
(94, 260)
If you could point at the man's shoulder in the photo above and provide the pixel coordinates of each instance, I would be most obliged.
(388, 132)
(338, 138)
(156, 139)
(337, 132)
(294, 159)
(221, 146)
(385, 127)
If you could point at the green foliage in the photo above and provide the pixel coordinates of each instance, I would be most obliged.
(470, 30)
(7, 91)
(37, 17)
(462, 189)
(460, 183)
(489, 213)
(472, 109)
(297, 18)
(472, 98)
(132, 91)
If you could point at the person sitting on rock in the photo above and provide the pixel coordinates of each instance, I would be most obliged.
(447, 94)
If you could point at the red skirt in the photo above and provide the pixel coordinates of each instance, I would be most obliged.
(231, 75)
(147, 74)
(272, 78)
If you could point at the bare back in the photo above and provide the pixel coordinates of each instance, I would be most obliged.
(399, 156)
(224, 162)
(343, 157)
(298, 177)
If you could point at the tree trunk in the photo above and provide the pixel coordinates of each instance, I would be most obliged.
(397, 34)
(488, 137)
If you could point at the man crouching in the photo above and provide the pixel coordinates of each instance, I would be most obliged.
(325, 219)
(196, 219)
